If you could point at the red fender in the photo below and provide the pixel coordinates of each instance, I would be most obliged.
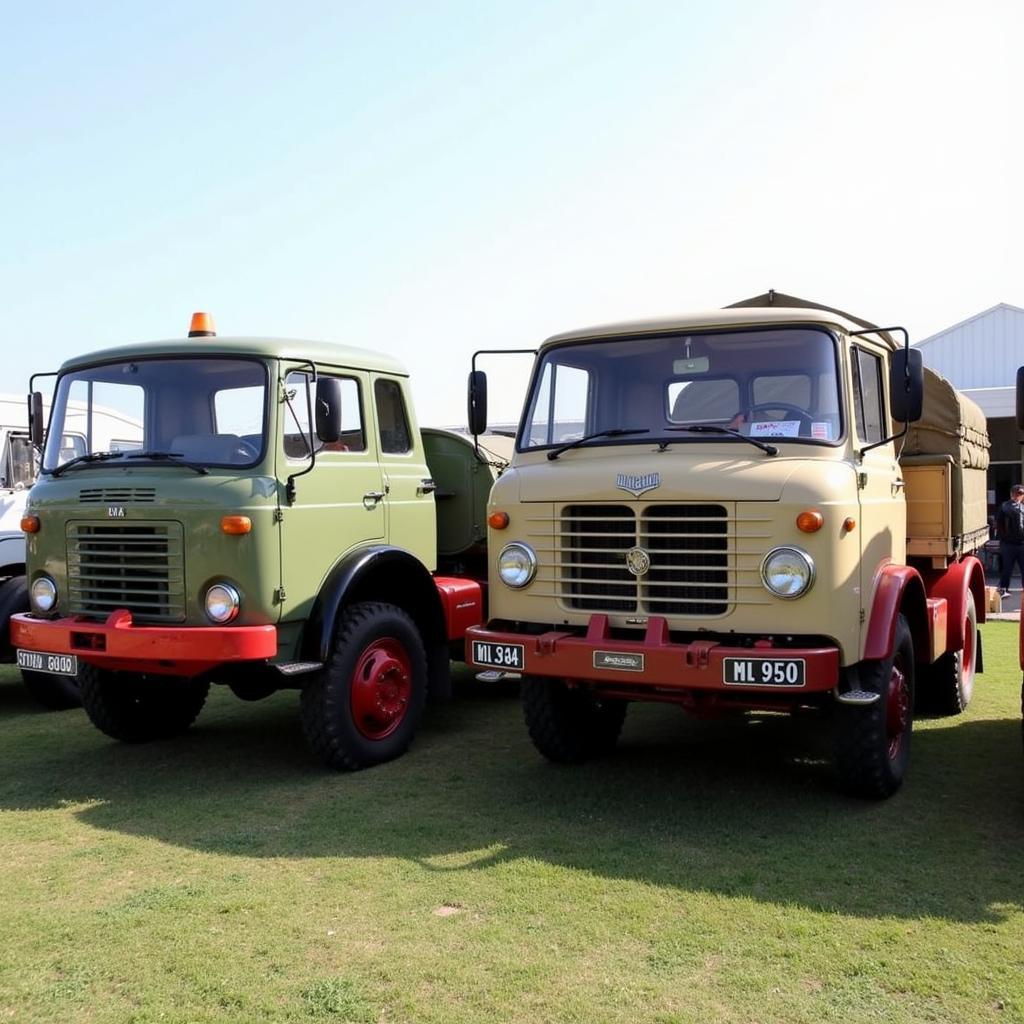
(898, 588)
(953, 584)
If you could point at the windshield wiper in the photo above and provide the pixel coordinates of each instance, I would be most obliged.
(614, 432)
(175, 458)
(713, 428)
(80, 459)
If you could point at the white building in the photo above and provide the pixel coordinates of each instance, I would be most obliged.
(980, 357)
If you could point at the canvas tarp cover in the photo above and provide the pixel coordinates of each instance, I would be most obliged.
(951, 424)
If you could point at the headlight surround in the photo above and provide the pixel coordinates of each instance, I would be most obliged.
(222, 601)
(517, 565)
(43, 594)
(787, 572)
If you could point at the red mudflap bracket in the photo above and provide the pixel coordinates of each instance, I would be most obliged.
(463, 604)
(161, 650)
(656, 662)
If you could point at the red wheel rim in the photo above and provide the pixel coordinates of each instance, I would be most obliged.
(897, 709)
(381, 688)
(967, 656)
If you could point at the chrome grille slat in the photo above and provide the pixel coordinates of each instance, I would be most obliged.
(140, 567)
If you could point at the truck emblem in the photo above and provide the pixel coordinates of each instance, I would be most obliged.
(638, 562)
(115, 511)
(637, 483)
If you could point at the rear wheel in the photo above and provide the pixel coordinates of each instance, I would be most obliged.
(872, 742)
(363, 707)
(949, 684)
(569, 725)
(58, 693)
(134, 707)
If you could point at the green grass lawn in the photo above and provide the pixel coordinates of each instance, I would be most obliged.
(709, 871)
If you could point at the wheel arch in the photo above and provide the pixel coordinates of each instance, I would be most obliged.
(380, 573)
(960, 579)
(899, 590)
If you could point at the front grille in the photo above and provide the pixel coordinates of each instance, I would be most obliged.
(116, 495)
(689, 547)
(139, 567)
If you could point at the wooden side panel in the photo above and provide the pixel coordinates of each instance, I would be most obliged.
(928, 494)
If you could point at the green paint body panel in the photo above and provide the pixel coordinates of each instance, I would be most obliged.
(351, 499)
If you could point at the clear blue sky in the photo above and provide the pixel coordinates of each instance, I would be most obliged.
(430, 179)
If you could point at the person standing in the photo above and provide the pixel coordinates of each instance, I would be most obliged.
(1010, 530)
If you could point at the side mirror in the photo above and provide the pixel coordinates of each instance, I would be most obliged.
(476, 404)
(328, 409)
(35, 418)
(1020, 398)
(906, 385)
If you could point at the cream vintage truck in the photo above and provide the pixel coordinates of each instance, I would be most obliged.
(769, 507)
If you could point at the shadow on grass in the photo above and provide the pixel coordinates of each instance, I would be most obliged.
(745, 807)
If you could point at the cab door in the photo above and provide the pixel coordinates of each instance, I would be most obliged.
(339, 504)
(882, 525)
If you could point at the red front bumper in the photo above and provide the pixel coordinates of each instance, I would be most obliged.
(658, 665)
(163, 650)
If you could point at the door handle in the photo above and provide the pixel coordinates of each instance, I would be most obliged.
(427, 486)
(897, 486)
(371, 498)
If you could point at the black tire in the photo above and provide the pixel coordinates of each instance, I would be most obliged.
(363, 707)
(58, 693)
(872, 742)
(947, 686)
(568, 725)
(135, 708)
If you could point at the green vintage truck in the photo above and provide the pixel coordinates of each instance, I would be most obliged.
(270, 516)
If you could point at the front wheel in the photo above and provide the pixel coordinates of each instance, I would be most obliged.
(58, 693)
(363, 706)
(54, 692)
(135, 708)
(872, 742)
(569, 725)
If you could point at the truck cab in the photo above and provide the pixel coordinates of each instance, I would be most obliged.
(254, 512)
(711, 511)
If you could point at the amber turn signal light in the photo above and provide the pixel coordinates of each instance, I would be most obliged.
(810, 521)
(201, 326)
(497, 520)
(849, 523)
(235, 525)
(30, 524)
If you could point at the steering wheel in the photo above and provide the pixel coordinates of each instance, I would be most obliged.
(801, 414)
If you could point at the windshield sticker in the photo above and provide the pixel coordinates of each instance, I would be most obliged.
(775, 428)
(822, 431)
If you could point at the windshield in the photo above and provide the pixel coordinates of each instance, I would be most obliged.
(204, 411)
(776, 383)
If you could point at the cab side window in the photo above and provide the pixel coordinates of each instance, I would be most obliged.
(395, 435)
(868, 408)
(301, 392)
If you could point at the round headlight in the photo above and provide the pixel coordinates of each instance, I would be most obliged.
(517, 565)
(43, 594)
(222, 602)
(787, 572)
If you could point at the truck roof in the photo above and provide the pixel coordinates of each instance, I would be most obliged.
(322, 352)
(771, 309)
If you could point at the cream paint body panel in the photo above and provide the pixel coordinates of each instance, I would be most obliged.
(825, 481)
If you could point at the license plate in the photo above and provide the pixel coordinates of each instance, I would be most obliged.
(54, 664)
(763, 671)
(508, 656)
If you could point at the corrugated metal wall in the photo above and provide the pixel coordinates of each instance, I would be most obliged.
(983, 352)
